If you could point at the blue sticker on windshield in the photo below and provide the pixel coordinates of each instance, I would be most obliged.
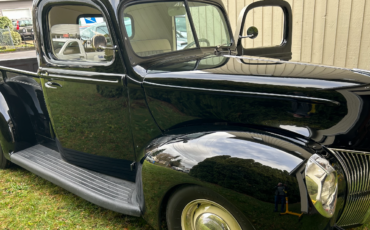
(90, 20)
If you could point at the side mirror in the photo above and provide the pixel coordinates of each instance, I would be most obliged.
(283, 48)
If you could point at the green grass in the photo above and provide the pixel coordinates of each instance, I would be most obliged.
(7, 50)
(21, 47)
(30, 202)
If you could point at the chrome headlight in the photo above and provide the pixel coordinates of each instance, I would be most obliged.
(322, 185)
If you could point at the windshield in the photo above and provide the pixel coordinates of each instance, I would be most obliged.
(209, 24)
(162, 27)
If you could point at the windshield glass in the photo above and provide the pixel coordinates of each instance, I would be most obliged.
(155, 28)
(209, 24)
(162, 27)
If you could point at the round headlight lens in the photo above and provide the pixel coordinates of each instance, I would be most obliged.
(322, 185)
(328, 188)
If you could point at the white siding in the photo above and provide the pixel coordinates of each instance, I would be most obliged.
(12, 5)
(330, 32)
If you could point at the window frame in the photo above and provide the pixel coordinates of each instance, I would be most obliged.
(197, 50)
(48, 41)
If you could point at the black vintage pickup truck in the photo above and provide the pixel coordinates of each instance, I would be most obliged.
(156, 109)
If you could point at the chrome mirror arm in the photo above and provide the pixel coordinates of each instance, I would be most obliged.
(248, 36)
(108, 48)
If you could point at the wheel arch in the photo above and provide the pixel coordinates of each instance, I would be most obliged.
(165, 199)
(15, 125)
(240, 164)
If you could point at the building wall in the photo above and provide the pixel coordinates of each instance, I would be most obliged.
(330, 32)
(4, 5)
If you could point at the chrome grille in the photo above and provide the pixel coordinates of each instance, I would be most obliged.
(356, 166)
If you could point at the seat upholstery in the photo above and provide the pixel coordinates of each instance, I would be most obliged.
(151, 47)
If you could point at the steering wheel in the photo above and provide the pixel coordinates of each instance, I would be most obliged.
(200, 40)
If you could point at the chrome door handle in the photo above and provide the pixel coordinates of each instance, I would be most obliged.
(51, 85)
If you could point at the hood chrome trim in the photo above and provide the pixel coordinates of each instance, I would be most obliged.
(258, 94)
(356, 166)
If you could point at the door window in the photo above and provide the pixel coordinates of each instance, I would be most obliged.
(72, 25)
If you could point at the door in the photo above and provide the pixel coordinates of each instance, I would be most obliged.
(87, 97)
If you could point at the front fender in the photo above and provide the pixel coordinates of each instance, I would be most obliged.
(243, 166)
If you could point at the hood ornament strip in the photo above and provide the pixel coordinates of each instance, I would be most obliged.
(256, 94)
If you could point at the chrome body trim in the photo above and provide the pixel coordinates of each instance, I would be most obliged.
(28, 73)
(356, 167)
(277, 61)
(55, 76)
(77, 72)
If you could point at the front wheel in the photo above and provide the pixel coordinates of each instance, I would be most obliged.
(195, 207)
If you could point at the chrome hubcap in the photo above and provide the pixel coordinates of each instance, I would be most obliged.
(205, 214)
(211, 221)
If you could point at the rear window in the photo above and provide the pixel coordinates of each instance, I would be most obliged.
(80, 34)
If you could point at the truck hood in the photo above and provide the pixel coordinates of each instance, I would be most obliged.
(326, 104)
(246, 65)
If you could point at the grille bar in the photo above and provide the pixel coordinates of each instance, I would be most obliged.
(356, 166)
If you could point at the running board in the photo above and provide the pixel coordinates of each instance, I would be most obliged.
(106, 191)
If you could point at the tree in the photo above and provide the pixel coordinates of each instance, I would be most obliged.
(6, 22)
(16, 38)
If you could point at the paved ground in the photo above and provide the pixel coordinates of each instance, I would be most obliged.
(18, 55)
